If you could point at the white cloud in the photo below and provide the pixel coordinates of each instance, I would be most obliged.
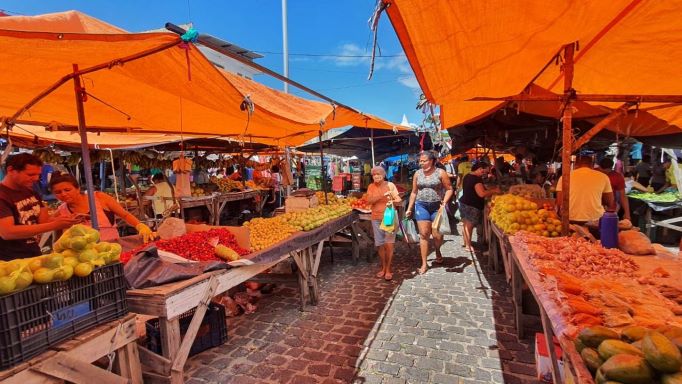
(352, 55)
(410, 81)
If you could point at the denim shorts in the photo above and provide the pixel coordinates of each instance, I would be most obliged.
(381, 237)
(426, 211)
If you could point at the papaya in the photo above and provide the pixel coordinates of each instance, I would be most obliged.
(661, 353)
(579, 345)
(637, 344)
(628, 369)
(678, 342)
(672, 378)
(599, 377)
(633, 333)
(670, 331)
(610, 348)
(593, 336)
(591, 358)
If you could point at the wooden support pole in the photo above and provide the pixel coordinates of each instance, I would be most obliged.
(622, 110)
(85, 151)
(567, 137)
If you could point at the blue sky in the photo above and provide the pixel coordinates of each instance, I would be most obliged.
(320, 27)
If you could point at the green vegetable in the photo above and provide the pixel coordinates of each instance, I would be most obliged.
(665, 197)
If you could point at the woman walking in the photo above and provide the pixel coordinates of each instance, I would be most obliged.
(473, 199)
(431, 190)
(379, 194)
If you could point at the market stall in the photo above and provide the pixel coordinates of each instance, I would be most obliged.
(601, 288)
(169, 301)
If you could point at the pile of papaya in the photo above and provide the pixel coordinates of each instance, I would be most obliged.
(635, 355)
(77, 252)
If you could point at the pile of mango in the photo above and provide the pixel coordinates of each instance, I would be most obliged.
(77, 252)
(636, 355)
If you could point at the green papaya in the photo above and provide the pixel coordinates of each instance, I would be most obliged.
(591, 358)
(672, 378)
(661, 353)
(593, 336)
(610, 348)
(628, 369)
(633, 333)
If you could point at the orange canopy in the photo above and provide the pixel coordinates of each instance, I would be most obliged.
(468, 48)
(173, 89)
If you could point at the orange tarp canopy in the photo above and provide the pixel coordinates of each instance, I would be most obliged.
(173, 91)
(465, 49)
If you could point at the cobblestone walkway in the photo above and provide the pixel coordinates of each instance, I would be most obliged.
(452, 325)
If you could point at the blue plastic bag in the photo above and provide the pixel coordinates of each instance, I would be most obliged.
(389, 215)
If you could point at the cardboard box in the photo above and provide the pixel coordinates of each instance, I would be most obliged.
(542, 360)
(300, 203)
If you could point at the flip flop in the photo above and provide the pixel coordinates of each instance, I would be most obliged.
(422, 271)
(439, 260)
(388, 276)
(380, 274)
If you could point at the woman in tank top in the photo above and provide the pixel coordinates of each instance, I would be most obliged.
(66, 188)
(431, 189)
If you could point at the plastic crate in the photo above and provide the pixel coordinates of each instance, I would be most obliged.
(212, 332)
(42, 315)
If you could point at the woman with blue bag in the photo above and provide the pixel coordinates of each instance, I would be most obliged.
(382, 196)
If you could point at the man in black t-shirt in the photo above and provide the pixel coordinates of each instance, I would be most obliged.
(22, 215)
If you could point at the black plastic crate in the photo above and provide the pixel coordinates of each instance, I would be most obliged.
(212, 332)
(42, 315)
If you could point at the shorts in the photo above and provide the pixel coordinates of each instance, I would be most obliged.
(381, 237)
(470, 214)
(426, 211)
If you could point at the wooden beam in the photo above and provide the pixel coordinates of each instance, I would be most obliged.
(68, 368)
(673, 99)
(620, 111)
(567, 137)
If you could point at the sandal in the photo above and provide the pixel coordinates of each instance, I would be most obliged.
(380, 274)
(439, 258)
(388, 276)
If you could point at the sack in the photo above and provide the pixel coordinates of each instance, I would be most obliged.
(389, 215)
(635, 243)
(441, 223)
(409, 229)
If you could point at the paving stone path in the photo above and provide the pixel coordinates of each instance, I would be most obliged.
(453, 324)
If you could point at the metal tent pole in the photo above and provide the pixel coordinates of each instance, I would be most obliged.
(371, 139)
(322, 171)
(87, 166)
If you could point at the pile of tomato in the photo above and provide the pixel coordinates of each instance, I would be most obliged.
(198, 246)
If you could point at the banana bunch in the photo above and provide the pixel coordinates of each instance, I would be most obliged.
(47, 156)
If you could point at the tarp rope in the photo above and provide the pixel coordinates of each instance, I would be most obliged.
(374, 27)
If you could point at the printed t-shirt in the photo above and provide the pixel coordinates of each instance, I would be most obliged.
(24, 206)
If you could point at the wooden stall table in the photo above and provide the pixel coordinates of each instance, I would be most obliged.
(220, 201)
(554, 322)
(71, 361)
(499, 249)
(169, 301)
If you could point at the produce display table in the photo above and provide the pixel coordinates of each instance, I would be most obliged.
(169, 301)
(200, 201)
(652, 206)
(554, 320)
(498, 246)
(72, 360)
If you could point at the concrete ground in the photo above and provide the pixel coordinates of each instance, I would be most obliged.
(453, 324)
